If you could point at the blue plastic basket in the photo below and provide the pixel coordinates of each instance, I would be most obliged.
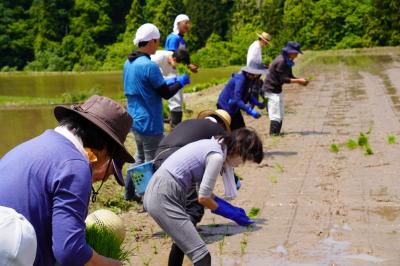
(141, 175)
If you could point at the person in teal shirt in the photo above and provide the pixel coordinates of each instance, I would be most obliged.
(144, 88)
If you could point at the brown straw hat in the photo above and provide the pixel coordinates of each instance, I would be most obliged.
(107, 115)
(221, 114)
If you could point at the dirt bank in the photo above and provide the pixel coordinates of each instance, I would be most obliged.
(317, 207)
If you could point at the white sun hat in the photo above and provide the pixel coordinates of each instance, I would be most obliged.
(17, 238)
(145, 33)
(179, 18)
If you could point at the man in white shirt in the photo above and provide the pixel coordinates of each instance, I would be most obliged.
(254, 54)
(254, 60)
(167, 61)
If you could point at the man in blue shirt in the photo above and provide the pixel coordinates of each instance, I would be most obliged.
(174, 42)
(175, 39)
(145, 87)
(48, 179)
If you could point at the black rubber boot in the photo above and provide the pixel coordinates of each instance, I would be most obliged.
(176, 118)
(175, 256)
(275, 128)
(280, 127)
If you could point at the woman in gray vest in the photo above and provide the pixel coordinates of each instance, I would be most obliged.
(199, 162)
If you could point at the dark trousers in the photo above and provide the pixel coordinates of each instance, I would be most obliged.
(237, 120)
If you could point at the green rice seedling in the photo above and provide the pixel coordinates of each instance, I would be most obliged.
(279, 168)
(221, 245)
(391, 139)
(164, 235)
(253, 213)
(310, 78)
(273, 179)
(368, 150)
(334, 148)
(183, 69)
(213, 223)
(155, 248)
(239, 176)
(369, 130)
(106, 243)
(146, 261)
(351, 144)
(243, 244)
(362, 140)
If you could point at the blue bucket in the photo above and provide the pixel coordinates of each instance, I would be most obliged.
(141, 175)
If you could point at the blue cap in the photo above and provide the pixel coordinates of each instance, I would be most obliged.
(292, 48)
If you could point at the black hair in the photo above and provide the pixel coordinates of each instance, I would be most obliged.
(181, 56)
(246, 143)
(92, 136)
(142, 44)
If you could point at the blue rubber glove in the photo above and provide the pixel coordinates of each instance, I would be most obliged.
(261, 105)
(183, 79)
(252, 112)
(242, 219)
(254, 101)
(231, 212)
(170, 81)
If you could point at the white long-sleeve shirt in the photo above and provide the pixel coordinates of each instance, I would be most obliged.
(254, 54)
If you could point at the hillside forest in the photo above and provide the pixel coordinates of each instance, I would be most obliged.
(96, 35)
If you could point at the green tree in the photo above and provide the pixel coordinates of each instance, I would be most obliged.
(134, 19)
(118, 13)
(91, 16)
(16, 40)
(383, 23)
(323, 24)
(207, 17)
(166, 15)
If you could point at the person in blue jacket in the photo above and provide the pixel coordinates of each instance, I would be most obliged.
(236, 96)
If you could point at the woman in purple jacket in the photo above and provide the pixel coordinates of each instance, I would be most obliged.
(48, 179)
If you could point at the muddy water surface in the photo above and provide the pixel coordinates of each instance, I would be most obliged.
(20, 124)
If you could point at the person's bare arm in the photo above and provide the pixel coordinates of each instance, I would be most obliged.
(212, 170)
(98, 260)
(300, 81)
(208, 202)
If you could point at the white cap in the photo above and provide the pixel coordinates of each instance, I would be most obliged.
(211, 119)
(17, 238)
(179, 18)
(145, 33)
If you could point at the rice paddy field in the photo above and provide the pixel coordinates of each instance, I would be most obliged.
(327, 191)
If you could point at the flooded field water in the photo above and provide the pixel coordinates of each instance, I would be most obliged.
(22, 123)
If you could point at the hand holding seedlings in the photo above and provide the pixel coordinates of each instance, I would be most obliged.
(193, 68)
(304, 81)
